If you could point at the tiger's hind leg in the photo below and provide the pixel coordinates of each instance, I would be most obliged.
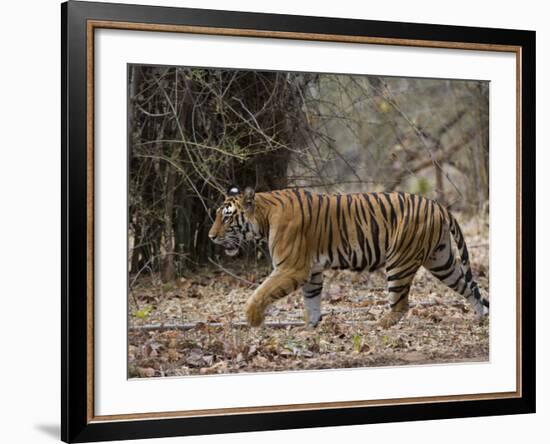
(399, 277)
(312, 297)
(443, 264)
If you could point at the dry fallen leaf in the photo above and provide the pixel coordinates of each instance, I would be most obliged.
(351, 305)
(146, 372)
(173, 355)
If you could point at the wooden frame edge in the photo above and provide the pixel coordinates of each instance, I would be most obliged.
(105, 24)
(519, 222)
(90, 109)
(284, 408)
(236, 32)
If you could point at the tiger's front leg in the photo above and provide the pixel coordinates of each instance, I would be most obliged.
(276, 286)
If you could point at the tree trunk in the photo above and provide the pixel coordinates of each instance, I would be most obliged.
(168, 271)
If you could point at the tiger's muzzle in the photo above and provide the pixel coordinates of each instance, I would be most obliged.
(230, 246)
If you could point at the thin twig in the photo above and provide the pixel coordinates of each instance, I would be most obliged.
(239, 324)
(287, 323)
(252, 284)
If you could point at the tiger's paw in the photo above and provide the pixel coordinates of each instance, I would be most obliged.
(254, 313)
(390, 319)
(312, 321)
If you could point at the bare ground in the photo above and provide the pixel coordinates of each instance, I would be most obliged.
(195, 325)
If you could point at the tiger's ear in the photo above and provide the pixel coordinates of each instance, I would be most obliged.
(248, 199)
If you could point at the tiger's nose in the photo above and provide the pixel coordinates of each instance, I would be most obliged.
(212, 236)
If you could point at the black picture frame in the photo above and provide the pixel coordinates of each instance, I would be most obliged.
(76, 423)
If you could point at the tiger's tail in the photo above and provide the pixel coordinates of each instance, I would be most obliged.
(471, 289)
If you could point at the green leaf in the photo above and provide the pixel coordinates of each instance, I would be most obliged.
(357, 343)
(144, 312)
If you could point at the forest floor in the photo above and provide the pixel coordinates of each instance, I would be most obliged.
(196, 325)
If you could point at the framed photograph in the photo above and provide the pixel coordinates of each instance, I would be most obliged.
(276, 221)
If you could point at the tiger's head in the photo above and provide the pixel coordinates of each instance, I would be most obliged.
(235, 221)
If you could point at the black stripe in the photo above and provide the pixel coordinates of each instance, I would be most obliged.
(382, 207)
(444, 266)
(297, 193)
(353, 260)
(327, 214)
(363, 210)
(280, 200)
(446, 275)
(460, 240)
(282, 262)
(360, 236)
(399, 300)
(308, 200)
(393, 214)
(375, 234)
(342, 259)
(319, 204)
(313, 293)
(367, 250)
(398, 289)
(401, 202)
(429, 225)
(465, 256)
(329, 246)
(344, 234)
(407, 272)
(454, 285)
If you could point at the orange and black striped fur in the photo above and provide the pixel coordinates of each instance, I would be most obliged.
(308, 233)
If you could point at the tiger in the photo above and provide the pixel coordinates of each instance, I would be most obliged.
(308, 233)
